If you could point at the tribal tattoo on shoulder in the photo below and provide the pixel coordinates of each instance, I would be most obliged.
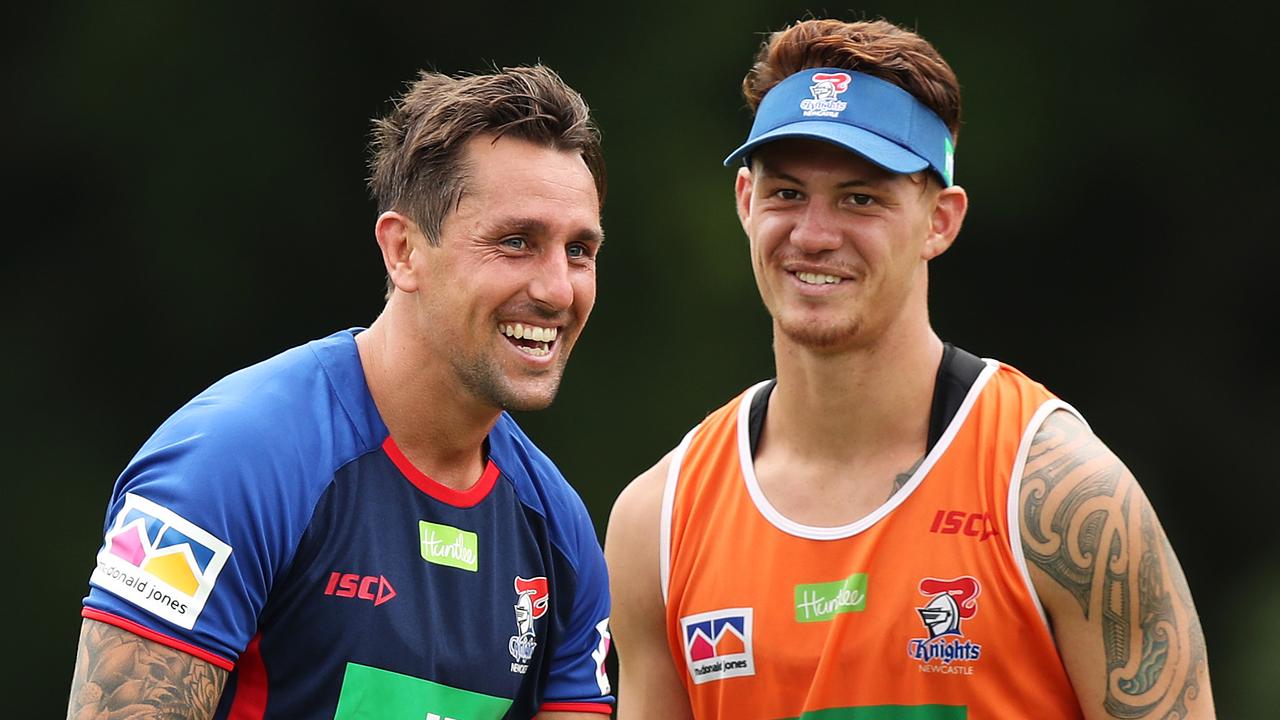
(1088, 526)
(121, 675)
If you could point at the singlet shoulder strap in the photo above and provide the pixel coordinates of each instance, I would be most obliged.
(957, 372)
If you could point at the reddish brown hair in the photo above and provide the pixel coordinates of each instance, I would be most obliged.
(417, 163)
(876, 47)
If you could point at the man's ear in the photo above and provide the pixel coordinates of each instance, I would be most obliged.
(742, 188)
(949, 208)
(395, 238)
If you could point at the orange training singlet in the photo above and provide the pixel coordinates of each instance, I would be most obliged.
(921, 610)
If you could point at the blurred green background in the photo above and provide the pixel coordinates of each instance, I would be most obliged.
(185, 197)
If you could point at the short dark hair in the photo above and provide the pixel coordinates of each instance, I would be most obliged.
(416, 158)
(876, 47)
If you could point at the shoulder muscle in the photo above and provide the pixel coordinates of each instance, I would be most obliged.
(1116, 597)
(648, 683)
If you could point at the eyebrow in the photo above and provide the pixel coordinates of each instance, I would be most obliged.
(854, 183)
(533, 226)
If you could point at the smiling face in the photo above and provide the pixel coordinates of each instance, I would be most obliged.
(839, 245)
(505, 294)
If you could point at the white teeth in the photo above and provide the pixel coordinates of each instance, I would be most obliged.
(817, 278)
(540, 350)
(521, 331)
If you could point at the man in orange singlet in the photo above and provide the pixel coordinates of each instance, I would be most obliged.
(893, 528)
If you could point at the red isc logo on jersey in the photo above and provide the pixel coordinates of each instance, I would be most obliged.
(365, 587)
(978, 525)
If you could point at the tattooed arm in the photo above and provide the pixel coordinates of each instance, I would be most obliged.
(122, 675)
(1115, 594)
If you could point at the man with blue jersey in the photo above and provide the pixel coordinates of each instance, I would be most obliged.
(355, 528)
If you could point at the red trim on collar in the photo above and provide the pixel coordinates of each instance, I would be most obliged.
(458, 498)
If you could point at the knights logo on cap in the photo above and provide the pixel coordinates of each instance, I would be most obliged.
(826, 90)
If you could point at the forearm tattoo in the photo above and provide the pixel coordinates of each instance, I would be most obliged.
(121, 675)
(1088, 526)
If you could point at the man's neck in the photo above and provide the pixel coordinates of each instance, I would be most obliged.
(438, 426)
(844, 405)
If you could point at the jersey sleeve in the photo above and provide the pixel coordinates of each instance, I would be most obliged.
(577, 681)
(198, 526)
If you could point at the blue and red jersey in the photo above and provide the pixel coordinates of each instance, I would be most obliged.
(272, 527)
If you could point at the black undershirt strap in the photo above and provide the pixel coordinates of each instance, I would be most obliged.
(957, 372)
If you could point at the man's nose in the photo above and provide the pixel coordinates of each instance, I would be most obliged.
(817, 229)
(551, 286)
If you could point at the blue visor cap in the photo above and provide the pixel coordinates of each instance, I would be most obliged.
(869, 116)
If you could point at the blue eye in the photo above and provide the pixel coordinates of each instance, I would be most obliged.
(576, 250)
(515, 242)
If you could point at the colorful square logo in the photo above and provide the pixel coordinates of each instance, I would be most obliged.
(717, 644)
(159, 561)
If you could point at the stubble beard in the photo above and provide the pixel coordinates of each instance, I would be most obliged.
(820, 336)
(826, 335)
(485, 380)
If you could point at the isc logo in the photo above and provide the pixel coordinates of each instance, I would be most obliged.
(954, 522)
(367, 587)
(436, 716)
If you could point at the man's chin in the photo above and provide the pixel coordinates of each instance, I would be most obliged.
(819, 337)
(527, 403)
(520, 390)
(528, 396)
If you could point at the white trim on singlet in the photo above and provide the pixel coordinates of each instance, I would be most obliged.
(840, 532)
(1013, 516)
(668, 502)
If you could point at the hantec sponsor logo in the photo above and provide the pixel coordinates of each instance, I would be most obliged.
(951, 602)
(717, 644)
(449, 546)
(159, 561)
(364, 587)
(819, 602)
(826, 90)
(532, 598)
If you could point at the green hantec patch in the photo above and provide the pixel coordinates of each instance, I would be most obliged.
(819, 602)
(446, 545)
